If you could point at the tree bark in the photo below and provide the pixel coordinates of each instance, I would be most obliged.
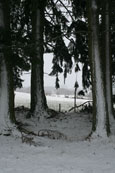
(38, 99)
(100, 114)
(107, 54)
(7, 117)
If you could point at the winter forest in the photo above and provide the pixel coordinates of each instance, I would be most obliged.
(74, 32)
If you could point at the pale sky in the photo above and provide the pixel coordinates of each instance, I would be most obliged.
(50, 80)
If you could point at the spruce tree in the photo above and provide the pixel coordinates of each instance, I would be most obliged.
(100, 115)
(7, 117)
(38, 100)
(106, 53)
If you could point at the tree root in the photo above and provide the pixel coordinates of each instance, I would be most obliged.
(51, 134)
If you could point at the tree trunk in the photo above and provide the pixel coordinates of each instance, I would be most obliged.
(6, 78)
(100, 114)
(38, 99)
(106, 54)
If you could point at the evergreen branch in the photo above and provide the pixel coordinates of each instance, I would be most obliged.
(49, 16)
(66, 9)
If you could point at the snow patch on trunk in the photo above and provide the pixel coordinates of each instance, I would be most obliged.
(40, 111)
(98, 76)
(101, 110)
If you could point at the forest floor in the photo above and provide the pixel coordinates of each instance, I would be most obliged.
(59, 145)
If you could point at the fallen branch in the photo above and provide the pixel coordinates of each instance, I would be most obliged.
(80, 105)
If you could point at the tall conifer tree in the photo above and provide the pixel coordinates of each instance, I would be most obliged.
(6, 76)
(100, 115)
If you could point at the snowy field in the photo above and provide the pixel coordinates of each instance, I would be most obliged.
(53, 101)
(62, 149)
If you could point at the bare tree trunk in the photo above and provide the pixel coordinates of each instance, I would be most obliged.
(6, 78)
(100, 114)
(107, 55)
(38, 99)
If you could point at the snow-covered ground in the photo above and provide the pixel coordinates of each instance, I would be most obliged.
(56, 156)
(53, 101)
(60, 148)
